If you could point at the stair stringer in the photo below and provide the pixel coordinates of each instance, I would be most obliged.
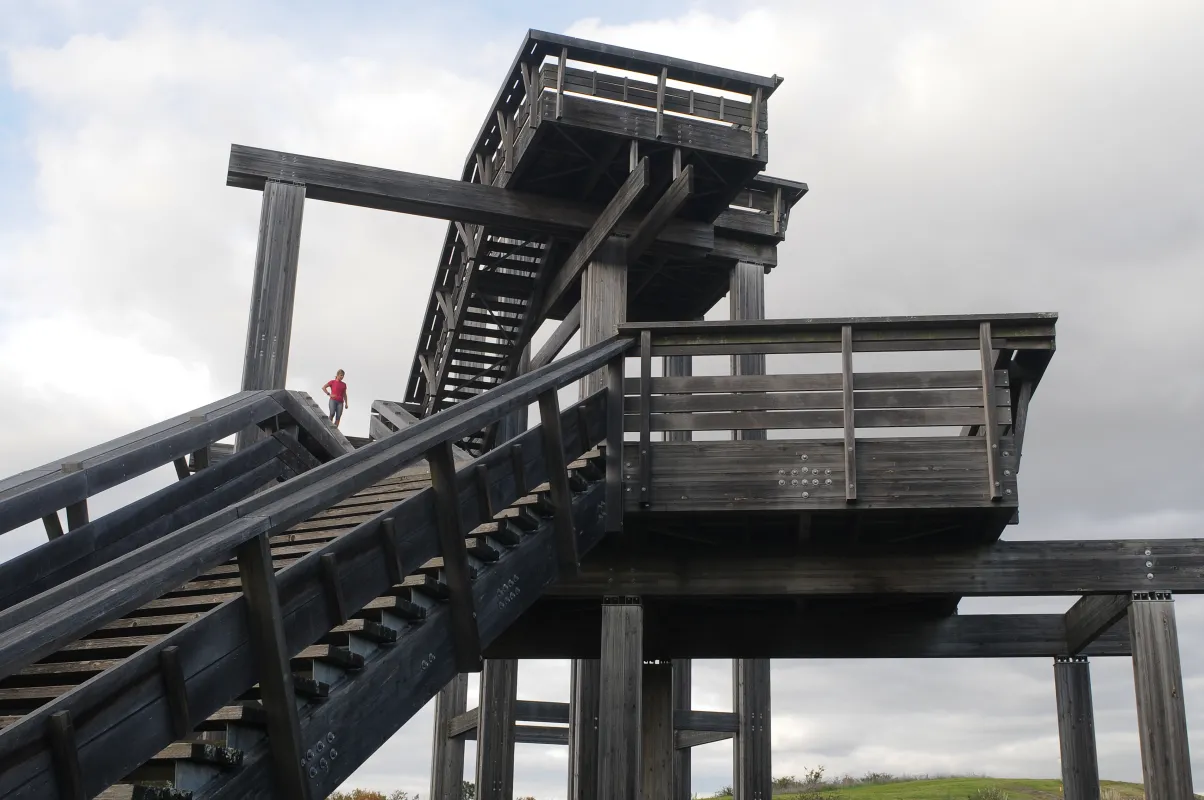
(365, 710)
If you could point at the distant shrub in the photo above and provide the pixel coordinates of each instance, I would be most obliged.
(989, 793)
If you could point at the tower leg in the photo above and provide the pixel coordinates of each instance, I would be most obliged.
(447, 762)
(495, 729)
(682, 687)
(583, 728)
(1158, 679)
(656, 714)
(752, 771)
(619, 717)
(1076, 728)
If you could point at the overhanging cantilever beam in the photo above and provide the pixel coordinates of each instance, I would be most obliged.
(443, 198)
(660, 214)
(603, 226)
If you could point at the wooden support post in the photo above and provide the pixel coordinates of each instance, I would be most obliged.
(682, 701)
(387, 535)
(584, 687)
(603, 302)
(757, 102)
(495, 730)
(752, 774)
(1158, 678)
(464, 631)
(333, 588)
(65, 753)
(177, 691)
(270, 326)
(850, 413)
(564, 57)
(272, 659)
(990, 430)
(558, 483)
(645, 418)
(614, 446)
(619, 747)
(1076, 728)
(660, 105)
(1020, 419)
(747, 301)
(182, 471)
(656, 730)
(447, 764)
(77, 513)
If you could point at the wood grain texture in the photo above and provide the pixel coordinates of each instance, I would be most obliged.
(747, 302)
(1161, 715)
(565, 331)
(752, 769)
(447, 761)
(1076, 729)
(1092, 615)
(619, 741)
(665, 208)
(496, 730)
(584, 694)
(682, 701)
(603, 302)
(656, 730)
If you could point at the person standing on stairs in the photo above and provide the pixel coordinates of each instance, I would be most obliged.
(336, 390)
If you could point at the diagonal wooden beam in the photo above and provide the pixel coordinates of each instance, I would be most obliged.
(602, 228)
(659, 215)
(1092, 616)
(559, 338)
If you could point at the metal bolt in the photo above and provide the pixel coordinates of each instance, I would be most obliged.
(1149, 576)
(794, 472)
(1149, 564)
(804, 457)
(827, 472)
(309, 754)
(794, 482)
(321, 747)
(850, 486)
(1007, 472)
(828, 482)
(1147, 552)
(781, 482)
(330, 737)
(996, 483)
(994, 447)
(806, 495)
(324, 764)
(1007, 491)
(313, 772)
(643, 488)
(781, 472)
(333, 754)
(1005, 452)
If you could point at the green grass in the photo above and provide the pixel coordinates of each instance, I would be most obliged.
(961, 788)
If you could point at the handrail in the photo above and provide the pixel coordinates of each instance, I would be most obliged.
(34, 629)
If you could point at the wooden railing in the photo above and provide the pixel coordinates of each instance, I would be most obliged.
(1012, 351)
(123, 716)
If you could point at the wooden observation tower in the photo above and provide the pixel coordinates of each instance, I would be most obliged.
(262, 625)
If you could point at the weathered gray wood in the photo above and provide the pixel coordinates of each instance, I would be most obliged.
(756, 421)
(1161, 715)
(686, 720)
(848, 413)
(597, 235)
(65, 753)
(558, 484)
(990, 431)
(442, 198)
(177, 691)
(1005, 568)
(661, 213)
(455, 558)
(603, 302)
(53, 525)
(1076, 729)
(682, 700)
(565, 331)
(269, 329)
(447, 762)
(656, 730)
(1037, 326)
(614, 446)
(643, 421)
(1092, 615)
(391, 688)
(619, 741)
(752, 776)
(333, 588)
(306, 413)
(125, 704)
(496, 730)
(36, 493)
(1020, 418)
(818, 382)
(584, 688)
(128, 528)
(812, 400)
(747, 302)
(271, 655)
(181, 465)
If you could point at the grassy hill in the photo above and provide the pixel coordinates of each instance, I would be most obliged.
(963, 788)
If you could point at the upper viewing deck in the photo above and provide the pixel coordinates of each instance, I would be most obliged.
(634, 136)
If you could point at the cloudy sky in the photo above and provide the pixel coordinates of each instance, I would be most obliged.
(962, 157)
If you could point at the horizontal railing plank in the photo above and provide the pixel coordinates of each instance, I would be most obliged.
(798, 401)
(815, 419)
(698, 384)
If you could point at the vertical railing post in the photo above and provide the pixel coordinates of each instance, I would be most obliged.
(755, 121)
(614, 446)
(850, 418)
(990, 429)
(660, 103)
(558, 483)
(466, 637)
(645, 418)
(564, 55)
(271, 655)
